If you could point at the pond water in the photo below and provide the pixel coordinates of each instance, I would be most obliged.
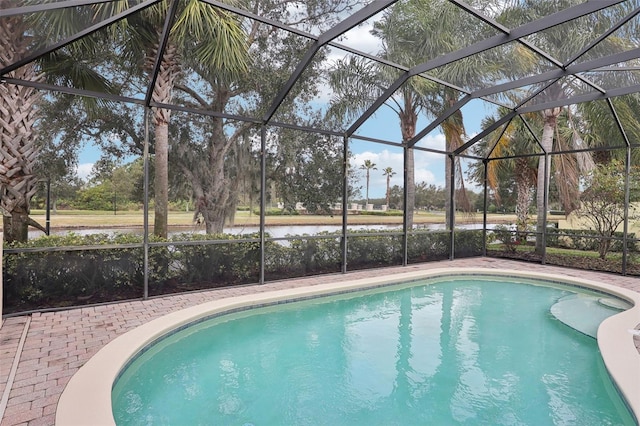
(274, 231)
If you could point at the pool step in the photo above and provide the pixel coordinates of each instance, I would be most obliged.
(584, 313)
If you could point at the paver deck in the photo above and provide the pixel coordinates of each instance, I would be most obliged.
(40, 352)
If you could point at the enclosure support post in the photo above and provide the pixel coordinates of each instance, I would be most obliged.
(625, 234)
(263, 196)
(345, 195)
(452, 206)
(485, 164)
(405, 223)
(546, 207)
(47, 220)
(145, 204)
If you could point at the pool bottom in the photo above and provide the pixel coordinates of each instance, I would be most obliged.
(80, 407)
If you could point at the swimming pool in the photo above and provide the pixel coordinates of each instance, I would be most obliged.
(372, 373)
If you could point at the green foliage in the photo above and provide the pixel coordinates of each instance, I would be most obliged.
(584, 239)
(508, 237)
(424, 247)
(204, 265)
(71, 276)
(603, 201)
(368, 251)
(274, 211)
(302, 256)
(381, 213)
(73, 270)
(468, 243)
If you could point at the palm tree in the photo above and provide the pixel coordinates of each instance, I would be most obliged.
(514, 142)
(201, 33)
(555, 42)
(389, 173)
(411, 32)
(367, 167)
(19, 109)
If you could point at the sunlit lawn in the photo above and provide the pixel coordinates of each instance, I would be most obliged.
(88, 219)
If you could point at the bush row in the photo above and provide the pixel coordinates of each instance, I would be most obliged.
(584, 239)
(71, 270)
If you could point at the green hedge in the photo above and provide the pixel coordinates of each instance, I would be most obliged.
(37, 279)
(61, 271)
(584, 239)
(380, 212)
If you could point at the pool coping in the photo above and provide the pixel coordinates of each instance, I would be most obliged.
(87, 396)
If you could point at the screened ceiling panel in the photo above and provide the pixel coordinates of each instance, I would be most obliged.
(313, 104)
(626, 108)
(566, 41)
(314, 17)
(515, 97)
(623, 39)
(474, 113)
(57, 29)
(612, 79)
(52, 4)
(355, 83)
(513, 14)
(515, 140)
(562, 89)
(508, 62)
(440, 28)
(482, 146)
(93, 65)
(204, 84)
(522, 55)
(361, 37)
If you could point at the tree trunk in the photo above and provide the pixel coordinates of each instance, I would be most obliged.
(550, 121)
(523, 188)
(16, 226)
(388, 193)
(408, 120)
(448, 200)
(453, 129)
(411, 188)
(18, 152)
(161, 177)
(367, 202)
(163, 93)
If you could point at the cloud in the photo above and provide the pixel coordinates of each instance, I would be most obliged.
(360, 38)
(432, 141)
(84, 170)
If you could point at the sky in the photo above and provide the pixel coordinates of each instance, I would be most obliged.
(429, 167)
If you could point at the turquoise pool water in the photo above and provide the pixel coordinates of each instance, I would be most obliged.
(459, 351)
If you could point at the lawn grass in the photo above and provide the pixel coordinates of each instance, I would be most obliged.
(78, 219)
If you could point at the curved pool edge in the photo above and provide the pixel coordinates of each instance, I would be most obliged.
(87, 396)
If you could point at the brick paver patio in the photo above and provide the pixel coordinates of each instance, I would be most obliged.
(40, 352)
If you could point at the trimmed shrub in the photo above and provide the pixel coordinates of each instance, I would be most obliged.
(584, 239)
(72, 275)
(428, 246)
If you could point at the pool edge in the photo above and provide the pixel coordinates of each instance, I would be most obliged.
(78, 406)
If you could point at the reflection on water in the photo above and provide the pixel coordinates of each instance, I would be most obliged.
(278, 231)
(459, 351)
